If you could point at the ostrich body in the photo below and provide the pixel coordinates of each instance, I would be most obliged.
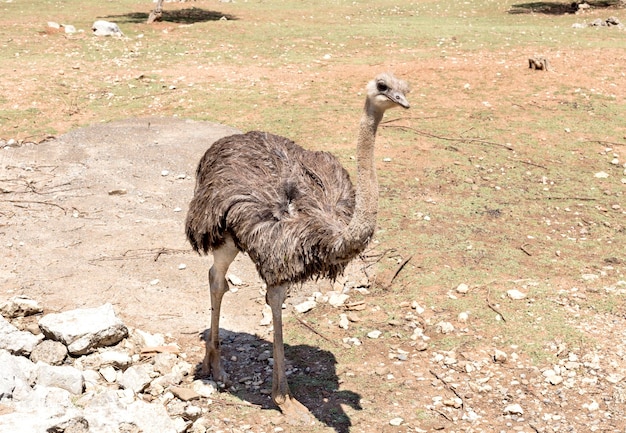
(295, 212)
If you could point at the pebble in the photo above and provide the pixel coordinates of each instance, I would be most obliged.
(514, 409)
(515, 294)
(396, 421)
(500, 356)
(337, 299)
(374, 334)
(234, 279)
(462, 288)
(444, 327)
(343, 321)
(305, 306)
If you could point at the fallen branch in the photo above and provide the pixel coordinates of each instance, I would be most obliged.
(492, 307)
(451, 389)
(16, 202)
(523, 248)
(612, 143)
(456, 140)
(315, 331)
(398, 269)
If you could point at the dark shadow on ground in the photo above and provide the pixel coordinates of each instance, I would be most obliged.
(311, 372)
(559, 8)
(181, 16)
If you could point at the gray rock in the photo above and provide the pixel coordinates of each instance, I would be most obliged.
(16, 341)
(107, 414)
(64, 377)
(50, 352)
(164, 362)
(19, 306)
(16, 377)
(85, 329)
(115, 358)
(40, 411)
(106, 28)
(136, 378)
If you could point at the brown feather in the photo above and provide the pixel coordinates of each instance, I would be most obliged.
(285, 206)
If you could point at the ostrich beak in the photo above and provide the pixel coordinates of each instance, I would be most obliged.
(399, 98)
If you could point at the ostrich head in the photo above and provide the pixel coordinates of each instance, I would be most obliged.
(386, 91)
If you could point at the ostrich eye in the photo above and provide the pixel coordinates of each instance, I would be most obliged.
(382, 87)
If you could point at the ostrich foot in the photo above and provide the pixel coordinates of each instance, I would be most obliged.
(295, 413)
(212, 366)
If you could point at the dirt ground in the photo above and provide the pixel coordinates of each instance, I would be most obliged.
(96, 215)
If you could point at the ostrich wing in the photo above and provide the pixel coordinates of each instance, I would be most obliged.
(283, 205)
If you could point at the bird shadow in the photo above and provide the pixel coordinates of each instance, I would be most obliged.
(311, 374)
(181, 16)
(560, 8)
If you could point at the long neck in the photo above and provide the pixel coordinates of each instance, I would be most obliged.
(361, 227)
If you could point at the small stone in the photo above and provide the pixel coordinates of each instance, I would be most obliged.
(305, 306)
(444, 327)
(185, 394)
(462, 288)
(515, 294)
(513, 409)
(234, 279)
(500, 356)
(592, 407)
(20, 306)
(601, 175)
(182, 266)
(343, 321)
(204, 387)
(463, 317)
(108, 373)
(396, 421)
(374, 334)
(49, 351)
(266, 314)
(337, 299)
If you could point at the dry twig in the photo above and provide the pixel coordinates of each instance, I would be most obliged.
(315, 331)
(492, 307)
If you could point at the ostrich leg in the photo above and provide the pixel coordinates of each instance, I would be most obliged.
(294, 411)
(222, 258)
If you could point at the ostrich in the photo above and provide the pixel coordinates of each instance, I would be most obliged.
(295, 212)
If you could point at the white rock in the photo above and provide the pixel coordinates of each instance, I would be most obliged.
(83, 330)
(601, 175)
(16, 341)
(204, 387)
(234, 279)
(444, 327)
(514, 409)
(136, 378)
(343, 321)
(592, 407)
(463, 316)
(116, 358)
(109, 374)
(69, 29)
(151, 340)
(515, 294)
(417, 307)
(462, 288)
(106, 28)
(374, 334)
(266, 314)
(305, 306)
(396, 421)
(500, 356)
(20, 306)
(63, 376)
(337, 299)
